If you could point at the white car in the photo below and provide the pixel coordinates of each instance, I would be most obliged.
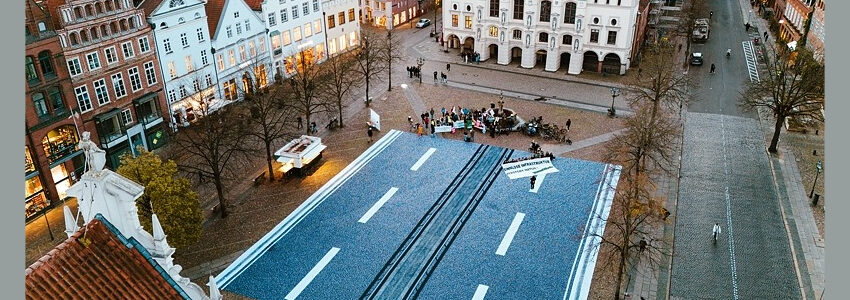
(423, 23)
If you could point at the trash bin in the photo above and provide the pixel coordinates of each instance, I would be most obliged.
(815, 199)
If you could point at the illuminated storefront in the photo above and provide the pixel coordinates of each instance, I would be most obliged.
(36, 200)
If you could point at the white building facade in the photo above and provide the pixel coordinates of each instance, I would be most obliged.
(560, 35)
(342, 24)
(294, 26)
(240, 51)
(183, 45)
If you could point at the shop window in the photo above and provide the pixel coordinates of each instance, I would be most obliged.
(35, 199)
(59, 142)
(30, 166)
(148, 111)
(110, 129)
(61, 180)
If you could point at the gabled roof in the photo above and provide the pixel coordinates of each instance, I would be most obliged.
(149, 6)
(214, 9)
(98, 262)
(256, 5)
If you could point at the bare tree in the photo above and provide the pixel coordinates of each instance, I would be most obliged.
(342, 76)
(211, 145)
(303, 86)
(691, 11)
(793, 87)
(645, 140)
(269, 121)
(391, 52)
(658, 81)
(369, 62)
(198, 102)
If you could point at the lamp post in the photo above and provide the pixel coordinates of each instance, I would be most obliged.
(819, 166)
(614, 93)
(419, 62)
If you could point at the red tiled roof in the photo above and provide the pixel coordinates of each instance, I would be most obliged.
(256, 5)
(214, 8)
(96, 264)
(149, 5)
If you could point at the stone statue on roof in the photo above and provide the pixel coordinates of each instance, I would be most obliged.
(95, 157)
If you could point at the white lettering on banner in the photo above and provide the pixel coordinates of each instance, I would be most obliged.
(441, 129)
(460, 124)
(528, 168)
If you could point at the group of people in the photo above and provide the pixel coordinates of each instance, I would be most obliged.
(470, 57)
(443, 77)
(538, 154)
(414, 71)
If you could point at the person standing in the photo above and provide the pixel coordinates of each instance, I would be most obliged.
(419, 129)
(435, 76)
(369, 132)
(433, 129)
(715, 231)
(427, 121)
(533, 180)
(432, 113)
(568, 124)
(300, 122)
(313, 127)
(448, 67)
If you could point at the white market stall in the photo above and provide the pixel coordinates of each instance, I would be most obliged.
(300, 153)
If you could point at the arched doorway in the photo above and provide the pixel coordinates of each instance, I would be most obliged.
(565, 61)
(611, 64)
(516, 52)
(540, 57)
(468, 45)
(591, 62)
(453, 41)
(493, 49)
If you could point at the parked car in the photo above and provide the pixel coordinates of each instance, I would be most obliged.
(423, 23)
(696, 58)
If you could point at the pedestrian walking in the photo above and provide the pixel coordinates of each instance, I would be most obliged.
(765, 35)
(465, 58)
(432, 113)
(433, 129)
(748, 27)
(715, 231)
(448, 67)
(435, 76)
(427, 121)
(419, 129)
(533, 180)
(568, 124)
(300, 122)
(369, 133)
(313, 127)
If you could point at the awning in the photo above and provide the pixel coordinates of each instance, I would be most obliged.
(107, 115)
(274, 33)
(144, 98)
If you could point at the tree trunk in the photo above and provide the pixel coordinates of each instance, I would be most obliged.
(309, 123)
(339, 106)
(390, 75)
(219, 188)
(780, 120)
(367, 86)
(269, 161)
(620, 268)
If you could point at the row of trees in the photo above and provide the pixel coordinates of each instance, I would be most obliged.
(217, 146)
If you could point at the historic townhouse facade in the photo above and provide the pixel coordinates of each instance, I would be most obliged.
(295, 27)
(182, 39)
(571, 35)
(114, 72)
(239, 48)
(52, 160)
(343, 27)
(392, 13)
(817, 31)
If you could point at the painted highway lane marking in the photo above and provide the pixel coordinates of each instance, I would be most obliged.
(375, 207)
(538, 183)
(422, 159)
(312, 274)
(732, 264)
(509, 236)
(480, 292)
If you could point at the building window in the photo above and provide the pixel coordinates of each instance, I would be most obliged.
(39, 104)
(238, 28)
(172, 71)
(494, 8)
(135, 79)
(83, 100)
(296, 33)
(230, 90)
(118, 85)
(543, 37)
(295, 12)
(74, 67)
(44, 59)
(189, 65)
(287, 38)
(208, 79)
(283, 15)
(341, 16)
(467, 22)
(220, 61)
(332, 46)
(305, 8)
(454, 20)
(567, 40)
(570, 13)
(56, 99)
(594, 35)
(262, 44)
(231, 57)
(144, 47)
(494, 31)
(308, 29)
(172, 96)
(196, 84)
(315, 5)
(352, 38)
(519, 7)
(184, 40)
(167, 45)
(183, 91)
(517, 34)
(331, 23)
(128, 50)
(30, 65)
(272, 20)
(200, 32)
(247, 25)
(317, 26)
(252, 49)
(545, 11)
(612, 37)
(100, 92)
(111, 56)
(94, 61)
(150, 73)
(204, 59)
(229, 31)
(127, 116)
(276, 41)
(242, 55)
(351, 15)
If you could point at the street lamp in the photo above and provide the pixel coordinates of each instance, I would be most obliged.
(819, 166)
(614, 93)
(419, 62)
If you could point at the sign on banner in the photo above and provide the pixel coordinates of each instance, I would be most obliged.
(528, 168)
(441, 129)
(375, 119)
(460, 124)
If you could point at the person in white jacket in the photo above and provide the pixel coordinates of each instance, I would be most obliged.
(716, 231)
